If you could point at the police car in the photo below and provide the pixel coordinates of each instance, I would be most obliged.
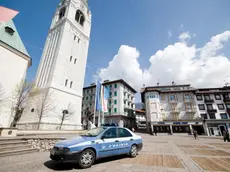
(97, 143)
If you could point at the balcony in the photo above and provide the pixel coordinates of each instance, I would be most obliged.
(175, 110)
(208, 100)
(188, 100)
(192, 110)
(212, 110)
(173, 101)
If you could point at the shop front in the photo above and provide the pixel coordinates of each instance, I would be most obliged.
(178, 127)
(217, 127)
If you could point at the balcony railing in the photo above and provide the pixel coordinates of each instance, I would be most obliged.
(188, 100)
(175, 110)
(208, 100)
(212, 110)
(192, 110)
(173, 101)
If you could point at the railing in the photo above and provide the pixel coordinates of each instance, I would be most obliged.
(212, 110)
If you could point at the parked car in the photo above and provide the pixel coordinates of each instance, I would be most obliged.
(97, 143)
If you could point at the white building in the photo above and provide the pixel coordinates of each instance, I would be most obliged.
(172, 109)
(121, 104)
(214, 106)
(14, 61)
(61, 73)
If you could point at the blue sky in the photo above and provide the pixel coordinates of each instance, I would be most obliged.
(143, 24)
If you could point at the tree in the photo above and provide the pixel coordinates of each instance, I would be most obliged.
(43, 105)
(20, 97)
(66, 114)
(88, 116)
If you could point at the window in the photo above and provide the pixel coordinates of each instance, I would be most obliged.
(207, 97)
(9, 30)
(109, 110)
(204, 116)
(115, 86)
(71, 84)
(110, 133)
(115, 102)
(199, 97)
(123, 133)
(187, 96)
(201, 106)
(110, 94)
(212, 116)
(62, 13)
(75, 37)
(223, 116)
(110, 86)
(217, 97)
(210, 107)
(162, 97)
(220, 106)
(78, 41)
(115, 93)
(66, 82)
(115, 110)
(79, 17)
(172, 97)
(228, 106)
(70, 59)
(75, 60)
(86, 97)
(32, 110)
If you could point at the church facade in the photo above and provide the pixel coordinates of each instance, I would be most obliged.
(56, 101)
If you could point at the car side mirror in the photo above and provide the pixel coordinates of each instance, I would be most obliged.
(102, 137)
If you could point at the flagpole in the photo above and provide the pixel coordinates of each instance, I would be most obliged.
(94, 115)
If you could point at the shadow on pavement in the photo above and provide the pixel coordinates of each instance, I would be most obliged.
(65, 166)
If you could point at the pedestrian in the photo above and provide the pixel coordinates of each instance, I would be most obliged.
(195, 134)
(226, 136)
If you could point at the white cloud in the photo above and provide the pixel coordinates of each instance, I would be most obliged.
(183, 63)
(169, 33)
(184, 36)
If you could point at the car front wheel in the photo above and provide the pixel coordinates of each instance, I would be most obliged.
(86, 158)
(133, 151)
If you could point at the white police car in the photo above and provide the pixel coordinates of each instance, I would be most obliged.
(97, 143)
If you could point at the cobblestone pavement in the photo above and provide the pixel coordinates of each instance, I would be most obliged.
(160, 153)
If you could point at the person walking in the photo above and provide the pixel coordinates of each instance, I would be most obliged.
(226, 136)
(195, 134)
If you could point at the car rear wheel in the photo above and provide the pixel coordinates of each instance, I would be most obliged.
(133, 151)
(86, 158)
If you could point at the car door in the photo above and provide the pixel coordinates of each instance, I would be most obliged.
(125, 140)
(108, 145)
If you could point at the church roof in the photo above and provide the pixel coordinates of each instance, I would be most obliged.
(9, 35)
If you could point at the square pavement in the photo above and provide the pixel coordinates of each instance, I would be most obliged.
(159, 153)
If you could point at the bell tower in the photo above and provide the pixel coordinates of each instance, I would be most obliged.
(61, 71)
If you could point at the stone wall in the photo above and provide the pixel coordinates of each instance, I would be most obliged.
(43, 145)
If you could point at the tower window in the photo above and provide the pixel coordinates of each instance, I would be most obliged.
(79, 17)
(70, 58)
(78, 40)
(75, 37)
(66, 82)
(9, 30)
(62, 13)
(32, 110)
(75, 60)
(71, 83)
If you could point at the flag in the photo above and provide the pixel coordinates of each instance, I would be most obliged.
(98, 96)
(7, 14)
(104, 98)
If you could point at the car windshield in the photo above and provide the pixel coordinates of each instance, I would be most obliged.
(94, 132)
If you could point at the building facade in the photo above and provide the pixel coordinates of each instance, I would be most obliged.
(172, 109)
(121, 104)
(214, 107)
(140, 118)
(14, 62)
(61, 72)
